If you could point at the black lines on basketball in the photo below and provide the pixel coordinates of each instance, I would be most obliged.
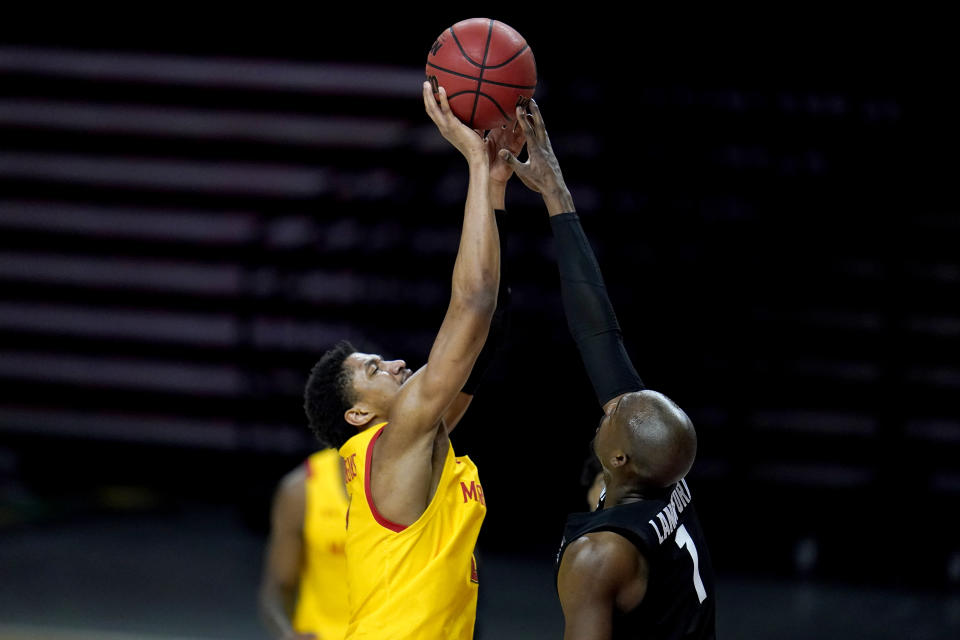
(453, 73)
(495, 103)
(511, 86)
(486, 52)
(491, 60)
(477, 95)
(463, 51)
(486, 47)
(488, 81)
(508, 60)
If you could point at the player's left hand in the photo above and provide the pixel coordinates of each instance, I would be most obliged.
(509, 136)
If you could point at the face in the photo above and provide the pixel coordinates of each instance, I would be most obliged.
(595, 444)
(376, 381)
(608, 438)
(611, 444)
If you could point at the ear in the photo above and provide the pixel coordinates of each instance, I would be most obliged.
(358, 416)
(618, 459)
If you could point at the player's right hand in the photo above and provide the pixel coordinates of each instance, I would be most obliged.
(465, 139)
(541, 172)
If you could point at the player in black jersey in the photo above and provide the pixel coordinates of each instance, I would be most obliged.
(638, 566)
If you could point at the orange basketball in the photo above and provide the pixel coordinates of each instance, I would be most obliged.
(486, 67)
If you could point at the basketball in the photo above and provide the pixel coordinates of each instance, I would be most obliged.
(486, 67)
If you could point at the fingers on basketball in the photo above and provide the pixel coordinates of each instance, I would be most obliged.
(535, 112)
(442, 97)
(525, 122)
(430, 103)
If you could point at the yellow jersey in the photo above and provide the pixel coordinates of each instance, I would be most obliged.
(322, 602)
(417, 581)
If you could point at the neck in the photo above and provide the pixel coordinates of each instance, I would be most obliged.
(620, 494)
(374, 422)
(626, 494)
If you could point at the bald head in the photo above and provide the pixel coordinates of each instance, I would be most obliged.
(657, 436)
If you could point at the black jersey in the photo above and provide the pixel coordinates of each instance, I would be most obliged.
(680, 601)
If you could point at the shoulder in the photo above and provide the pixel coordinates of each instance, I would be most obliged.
(295, 479)
(289, 501)
(600, 554)
(606, 565)
(324, 455)
(322, 463)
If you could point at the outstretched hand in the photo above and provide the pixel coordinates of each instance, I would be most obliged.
(465, 139)
(541, 172)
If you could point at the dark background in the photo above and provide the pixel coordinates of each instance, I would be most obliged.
(191, 213)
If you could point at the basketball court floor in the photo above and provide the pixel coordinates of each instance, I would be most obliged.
(192, 575)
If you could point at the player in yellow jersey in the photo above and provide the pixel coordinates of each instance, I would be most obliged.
(302, 592)
(415, 508)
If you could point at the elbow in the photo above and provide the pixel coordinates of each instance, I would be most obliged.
(479, 297)
(481, 303)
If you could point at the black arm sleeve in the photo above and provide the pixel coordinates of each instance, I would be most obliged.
(500, 323)
(590, 316)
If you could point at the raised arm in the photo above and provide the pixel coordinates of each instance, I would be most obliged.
(590, 315)
(425, 398)
(511, 138)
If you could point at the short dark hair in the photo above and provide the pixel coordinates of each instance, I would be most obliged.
(328, 395)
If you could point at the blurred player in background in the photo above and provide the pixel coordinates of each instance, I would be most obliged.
(303, 594)
(415, 508)
(591, 479)
(638, 566)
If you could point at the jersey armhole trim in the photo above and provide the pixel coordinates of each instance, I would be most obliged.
(368, 469)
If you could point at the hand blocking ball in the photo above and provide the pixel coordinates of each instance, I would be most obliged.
(486, 68)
